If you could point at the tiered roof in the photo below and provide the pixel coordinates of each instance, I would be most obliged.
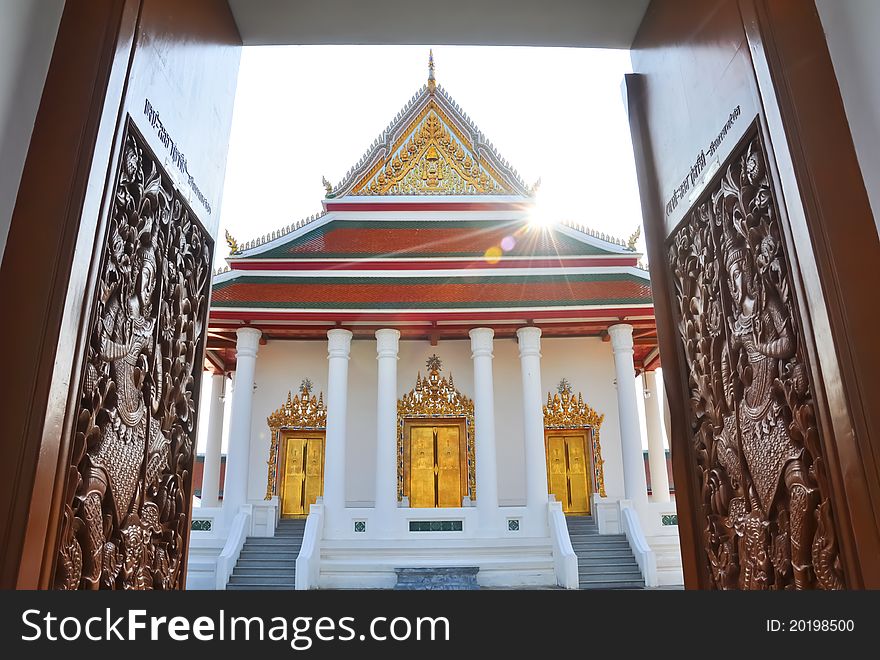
(430, 231)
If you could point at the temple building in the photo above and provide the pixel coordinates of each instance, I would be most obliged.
(428, 381)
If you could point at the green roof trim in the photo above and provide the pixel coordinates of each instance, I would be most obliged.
(283, 251)
(464, 279)
(528, 304)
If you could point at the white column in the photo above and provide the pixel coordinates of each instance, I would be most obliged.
(635, 485)
(656, 454)
(338, 351)
(387, 344)
(235, 485)
(211, 471)
(484, 422)
(533, 426)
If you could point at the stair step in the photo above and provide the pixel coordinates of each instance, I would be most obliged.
(260, 587)
(589, 572)
(605, 560)
(274, 540)
(273, 573)
(249, 553)
(608, 578)
(266, 563)
(613, 585)
(262, 579)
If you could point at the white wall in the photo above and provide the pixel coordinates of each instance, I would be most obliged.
(27, 38)
(586, 363)
(851, 28)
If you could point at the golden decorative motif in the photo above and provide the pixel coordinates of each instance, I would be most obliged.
(301, 412)
(436, 397)
(631, 241)
(564, 411)
(432, 161)
(432, 83)
(232, 243)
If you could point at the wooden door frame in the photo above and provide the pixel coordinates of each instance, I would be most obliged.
(461, 423)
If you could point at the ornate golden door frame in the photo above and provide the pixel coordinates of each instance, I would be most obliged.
(564, 411)
(434, 400)
(303, 412)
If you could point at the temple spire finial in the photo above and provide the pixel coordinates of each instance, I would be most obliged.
(432, 84)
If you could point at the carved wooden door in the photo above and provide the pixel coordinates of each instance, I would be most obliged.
(755, 216)
(120, 195)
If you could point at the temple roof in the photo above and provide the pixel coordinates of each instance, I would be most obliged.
(414, 293)
(431, 147)
(433, 233)
(339, 238)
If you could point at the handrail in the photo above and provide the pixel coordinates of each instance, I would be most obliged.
(645, 557)
(308, 562)
(565, 562)
(232, 548)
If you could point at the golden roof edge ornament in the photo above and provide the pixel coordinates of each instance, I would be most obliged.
(564, 411)
(631, 241)
(302, 411)
(533, 189)
(432, 83)
(328, 187)
(234, 247)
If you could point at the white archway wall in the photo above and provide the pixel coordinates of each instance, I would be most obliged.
(586, 362)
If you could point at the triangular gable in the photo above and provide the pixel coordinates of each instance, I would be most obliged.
(432, 158)
(431, 148)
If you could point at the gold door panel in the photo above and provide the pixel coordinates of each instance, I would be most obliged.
(448, 467)
(422, 491)
(568, 470)
(434, 456)
(303, 480)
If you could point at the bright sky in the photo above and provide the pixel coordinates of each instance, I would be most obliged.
(303, 112)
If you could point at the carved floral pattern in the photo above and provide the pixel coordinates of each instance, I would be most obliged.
(431, 162)
(767, 516)
(128, 492)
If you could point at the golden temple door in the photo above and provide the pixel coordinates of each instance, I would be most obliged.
(303, 480)
(435, 460)
(568, 469)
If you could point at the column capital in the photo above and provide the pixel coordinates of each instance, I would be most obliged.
(338, 343)
(247, 342)
(621, 337)
(481, 342)
(387, 343)
(529, 341)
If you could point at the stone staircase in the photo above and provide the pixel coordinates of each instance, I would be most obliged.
(437, 579)
(604, 561)
(269, 562)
